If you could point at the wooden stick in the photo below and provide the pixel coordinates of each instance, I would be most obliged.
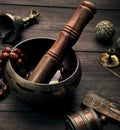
(51, 61)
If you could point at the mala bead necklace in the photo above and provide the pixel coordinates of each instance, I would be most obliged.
(19, 60)
(4, 89)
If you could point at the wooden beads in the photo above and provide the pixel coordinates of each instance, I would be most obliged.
(4, 91)
(19, 60)
(4, 88)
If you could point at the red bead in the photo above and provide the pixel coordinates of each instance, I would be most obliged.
(4, 91)
(13, 56)
(5, 87)
(6, 49)
(4, 56)
(20, 61)
(17, 51)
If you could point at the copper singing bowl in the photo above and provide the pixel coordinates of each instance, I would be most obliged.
(32, 92)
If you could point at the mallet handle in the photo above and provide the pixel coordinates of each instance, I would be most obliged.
(70, 33)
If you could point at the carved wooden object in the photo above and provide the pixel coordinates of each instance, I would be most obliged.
(102, 105)
(70, 33)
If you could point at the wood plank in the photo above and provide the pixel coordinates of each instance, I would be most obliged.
(52, 21)
(29, 121)
(105, 4)
(17, 114)
(94, 77)
(34, 121)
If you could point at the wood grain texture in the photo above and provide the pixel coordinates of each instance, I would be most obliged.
(15, 113)
(52, 21)
(105, 4)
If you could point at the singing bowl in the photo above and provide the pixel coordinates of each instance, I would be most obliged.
(32, 92)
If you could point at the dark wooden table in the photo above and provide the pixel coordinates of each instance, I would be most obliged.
(15, 114)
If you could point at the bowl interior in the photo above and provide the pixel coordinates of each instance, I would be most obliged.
(32, 92)
(35, 48)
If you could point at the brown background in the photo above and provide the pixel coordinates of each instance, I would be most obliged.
(16, 114)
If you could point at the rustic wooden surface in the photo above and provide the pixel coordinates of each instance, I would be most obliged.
(18, 115)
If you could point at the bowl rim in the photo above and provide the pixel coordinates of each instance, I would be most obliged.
(21, 79)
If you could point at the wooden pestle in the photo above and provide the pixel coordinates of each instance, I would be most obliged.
(70, 33)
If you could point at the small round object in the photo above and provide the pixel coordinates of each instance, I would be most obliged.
(6, 49)
(103, 119)
(4, 56)
(4, 91)
(17, 51)
(20, 62)
(13, 55)
(105, 30)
